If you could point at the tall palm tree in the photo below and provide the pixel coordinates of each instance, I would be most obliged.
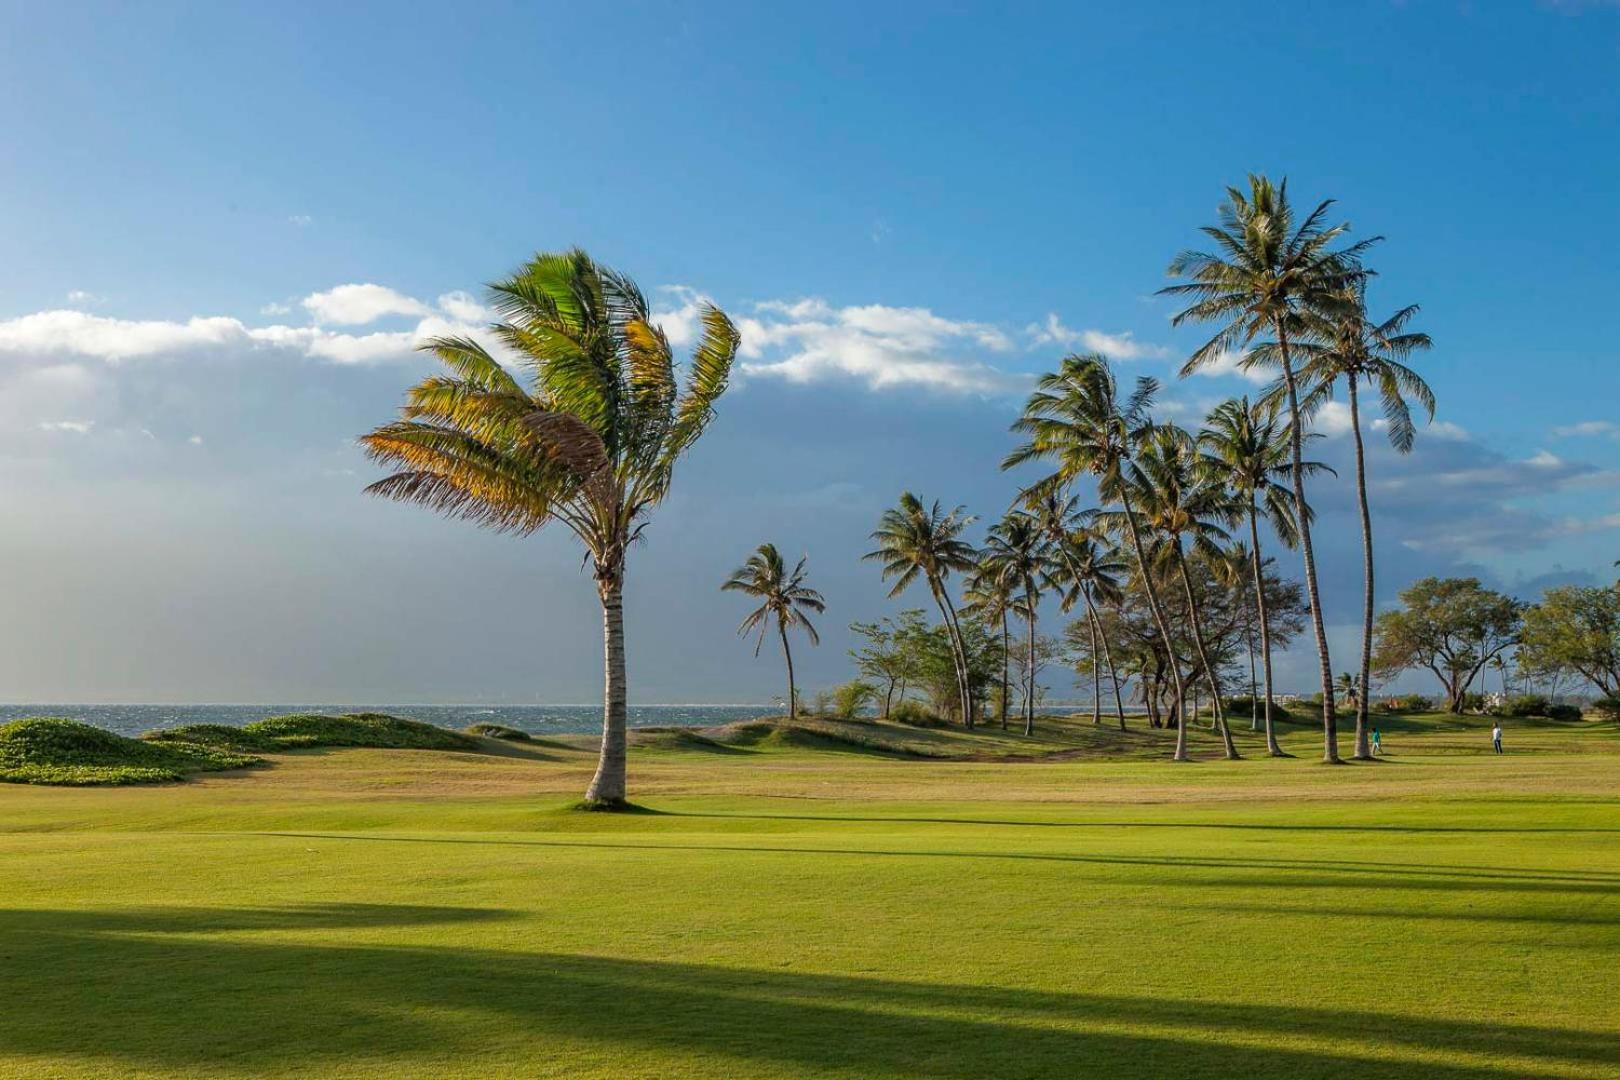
(988, 597)
(1349, 346)
(920, 541)
(1181, 503)
(1247, 447)
(1075, 420)
(1086, 570)
(590, 438)
(1019, 546)
(1266, 277)
(782, 596)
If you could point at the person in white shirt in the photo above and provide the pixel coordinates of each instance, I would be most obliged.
(1496, 737)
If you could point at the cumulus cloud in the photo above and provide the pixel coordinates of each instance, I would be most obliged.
(75, 427)
(356, 305)
(806, 341)
(1229, 362)
(1588, 427)
(1122, 346)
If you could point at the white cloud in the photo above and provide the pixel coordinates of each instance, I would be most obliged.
(195, 440)
(1229, 362)
(1589, 427)
(355, 305)
(79, 296)
(300, 220)
(1122, 346)
(1544, 459)
(77, 332)
(680, 323)
(276, 309)
(462, 307)
(809, 340)
(75, 427)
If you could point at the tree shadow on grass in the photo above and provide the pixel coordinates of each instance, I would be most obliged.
(1243, 826)
(163, 988)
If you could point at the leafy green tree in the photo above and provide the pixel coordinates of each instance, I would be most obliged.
(1247, 448)
(783, 600)
(589, 438)
(1577, 630)
(1075, 421)
(920, 541)
(1347, 346)
(887, 654)
(1265, 278)
(1452, 627)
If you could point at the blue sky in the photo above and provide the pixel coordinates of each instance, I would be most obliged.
(911, 215)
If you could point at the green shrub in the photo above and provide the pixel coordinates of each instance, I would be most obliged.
(498, 731)
(378, 730)
(218, 736)
(1246, 707)
(53, 750)
(1527, 705)
(915, 714)
(1563, 712)
(1607, 708)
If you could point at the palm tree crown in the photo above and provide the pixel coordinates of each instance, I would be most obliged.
(1245, 447)
(784, 598)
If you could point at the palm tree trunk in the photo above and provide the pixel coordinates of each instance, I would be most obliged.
(1254, 681)
(1029, 697)
(1108, 657)
(607, 786)
(1096, 668)
(1363, 747)
(1158, 619)
(1330, 723)
(1203, 658)
(787, 654)
(958, 651)
(1272, 746)
(1006, 669)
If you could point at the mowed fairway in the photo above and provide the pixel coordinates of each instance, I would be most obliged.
(810, 912)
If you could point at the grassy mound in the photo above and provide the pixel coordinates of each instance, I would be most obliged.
(498, 731)
(378, 730)
(218, 736)
(813, 734)
(52, 750)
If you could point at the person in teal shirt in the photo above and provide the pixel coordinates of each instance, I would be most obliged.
(1377, 742)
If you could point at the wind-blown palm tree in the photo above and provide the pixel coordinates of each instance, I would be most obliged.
(919, 541)
(1074, 419)
(784, 598)
(1181, 503)
(1247, 448)
(1267, 276)
(591, 441)
(1351, 347)
(1085, 570)
(1018, 546)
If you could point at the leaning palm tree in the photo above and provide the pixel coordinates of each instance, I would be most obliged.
(784, 598)
(1267, 276)
(589, 438)
(1084, 569)
(1075, 420)
(1181, 503)
(988, 598)
(1350, 346)
(919, 541)
(1247, 447)
(1019, 546)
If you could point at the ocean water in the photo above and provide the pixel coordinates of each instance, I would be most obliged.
(535, 719)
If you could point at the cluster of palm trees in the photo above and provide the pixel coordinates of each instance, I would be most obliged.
(591, 437)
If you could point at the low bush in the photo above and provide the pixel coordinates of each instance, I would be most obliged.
(1407, 703)
(498, 731)
(378, 730)
(218, 736)
(53, 750)
(1245, 707)
(1607, 708)
(1528, 705)
(1563, 712)
(915, 714)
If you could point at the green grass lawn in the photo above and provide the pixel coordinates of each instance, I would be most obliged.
(813, 907)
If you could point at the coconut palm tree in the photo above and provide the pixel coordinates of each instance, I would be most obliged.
(988, 597)
(1266, 277)
(589, 438)
(1181, 503)
(783, 597)
(1018, 545)
(1075, 420)
(1085, 569)
(1247, 448)
(920, 541)
(1349, 346)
